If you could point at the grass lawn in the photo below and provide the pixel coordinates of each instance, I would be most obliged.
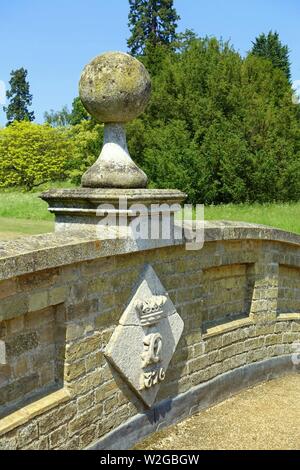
(26, 214)
(12, 228)
(24, 206)
(284, 216)
(23, 214)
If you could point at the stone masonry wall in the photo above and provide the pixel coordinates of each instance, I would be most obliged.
(32, 364)
(238, 298)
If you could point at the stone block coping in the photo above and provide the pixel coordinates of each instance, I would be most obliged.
(30, 411)
(35, 253)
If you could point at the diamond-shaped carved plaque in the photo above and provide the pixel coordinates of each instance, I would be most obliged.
(145, 340)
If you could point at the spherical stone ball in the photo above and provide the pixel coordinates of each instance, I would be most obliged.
(115, 87)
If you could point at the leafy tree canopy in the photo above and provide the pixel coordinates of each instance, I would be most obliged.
(78, 112)
(33, 154)
(58, 118)
(67, 118)
(220, 127)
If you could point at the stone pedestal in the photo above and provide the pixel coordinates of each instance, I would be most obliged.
(113, 202)
(142, 216)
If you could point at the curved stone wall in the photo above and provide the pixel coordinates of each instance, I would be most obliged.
(62, 298)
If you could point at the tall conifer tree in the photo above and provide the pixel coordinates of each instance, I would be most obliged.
(19, 97)
(152, 23)
(270, 47)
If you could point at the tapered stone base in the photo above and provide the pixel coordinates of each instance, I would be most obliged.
(114, 167)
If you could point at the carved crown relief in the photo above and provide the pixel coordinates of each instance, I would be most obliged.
(151, 311)
(145, 340)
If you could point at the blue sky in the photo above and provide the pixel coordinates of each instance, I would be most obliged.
(55, 39)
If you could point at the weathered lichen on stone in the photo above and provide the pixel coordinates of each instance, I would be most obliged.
(114, 88)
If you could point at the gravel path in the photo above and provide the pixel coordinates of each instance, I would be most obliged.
(264, 417)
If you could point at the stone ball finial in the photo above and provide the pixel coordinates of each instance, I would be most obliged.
(114, 88)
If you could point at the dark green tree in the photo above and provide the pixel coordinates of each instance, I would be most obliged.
(270, 47)
(78, 112)
(19, 97)
(152, 23)
(219, 127)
